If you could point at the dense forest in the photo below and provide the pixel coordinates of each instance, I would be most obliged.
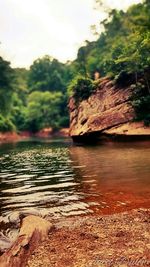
(37, 98)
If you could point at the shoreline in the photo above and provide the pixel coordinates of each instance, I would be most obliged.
(12, 137)
(121, 239)
(129, 132)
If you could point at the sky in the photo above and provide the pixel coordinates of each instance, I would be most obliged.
(30, 29)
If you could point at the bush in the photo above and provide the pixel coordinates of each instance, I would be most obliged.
(81, 88)
(124, 79)
(64, 122)
(6, 124)
(142, 109)
(19, 118)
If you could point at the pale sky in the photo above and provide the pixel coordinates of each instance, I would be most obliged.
(30, 29)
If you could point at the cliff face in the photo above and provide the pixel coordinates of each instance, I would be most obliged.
(104, 112)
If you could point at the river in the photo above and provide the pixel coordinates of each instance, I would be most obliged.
(54, 178)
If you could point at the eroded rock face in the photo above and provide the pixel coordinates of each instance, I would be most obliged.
(108, 107)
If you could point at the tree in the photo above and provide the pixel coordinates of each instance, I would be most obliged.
(47, 74)
(43, 110)
(6, 86)
(6, 93)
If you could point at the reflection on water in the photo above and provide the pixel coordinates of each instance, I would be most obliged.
(55, 178)
(117, 176)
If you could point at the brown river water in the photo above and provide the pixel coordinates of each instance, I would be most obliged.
(54, 178)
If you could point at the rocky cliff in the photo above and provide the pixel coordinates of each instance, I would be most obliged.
(108, 111)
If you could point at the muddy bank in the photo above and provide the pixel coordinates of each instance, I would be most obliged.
(10, 137)
(109, 240)
(49, 132)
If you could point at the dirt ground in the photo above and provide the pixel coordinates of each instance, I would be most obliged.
(121, 239)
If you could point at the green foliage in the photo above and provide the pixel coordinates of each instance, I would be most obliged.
(19, 112)
(123, 46)
(6, 124)
(43, 110)
(81, 88)
(47, 74)
(142, 108)
(21, 83)
(6, 86)
(44, 104)
(141, 102)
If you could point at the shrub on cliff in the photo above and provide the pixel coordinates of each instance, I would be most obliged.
(141, 102)
(81, 88)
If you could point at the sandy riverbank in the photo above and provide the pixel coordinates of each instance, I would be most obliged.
(121, 239)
